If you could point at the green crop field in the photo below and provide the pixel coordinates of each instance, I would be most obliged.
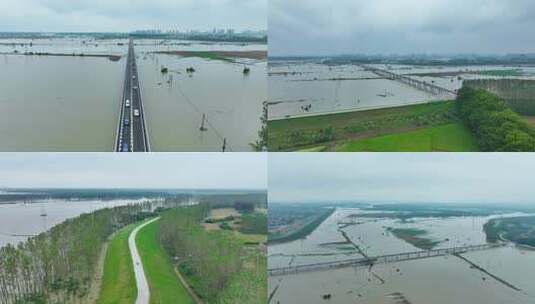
(164, 285)
(450, 137)
(325, 132)
(118, 282)
(502, 73)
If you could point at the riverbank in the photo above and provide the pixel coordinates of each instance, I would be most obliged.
(519, 230)
(110, 57)
(73, 270)
(303, 232)
(219, 55)
(330, 132)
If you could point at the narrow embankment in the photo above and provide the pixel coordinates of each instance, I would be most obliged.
(109, 56)
(163, 283)
(349, 241)
(143, 292)
(272, 293)
(474, 265)
(361, 252)
(118, 281)
(191, 293)
(304, 231)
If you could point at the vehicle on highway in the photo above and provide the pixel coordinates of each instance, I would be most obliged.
(127, 104)
(136, 112)
(135, 87)
(124, 148)
(126, 121)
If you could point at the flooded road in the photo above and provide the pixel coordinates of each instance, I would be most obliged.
(438, 280)
(300, 88)
(71, 103)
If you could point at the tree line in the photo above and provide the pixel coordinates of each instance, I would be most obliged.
(213, 262)
(495, 126)
(57, 266)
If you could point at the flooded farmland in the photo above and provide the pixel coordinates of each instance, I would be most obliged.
(74, 110)
(438, 280)
(309, 87)
(177, 101)
(78, 108)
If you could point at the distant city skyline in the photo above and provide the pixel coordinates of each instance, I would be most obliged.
(127, 16)
(134, 171)
(475, 178)
(319, 28)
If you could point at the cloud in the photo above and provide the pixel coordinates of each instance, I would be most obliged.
(402, 177)
(128, 15)
(110, 170)
(318, 27)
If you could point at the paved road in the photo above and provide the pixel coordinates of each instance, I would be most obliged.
(143, 293)
(131, 130)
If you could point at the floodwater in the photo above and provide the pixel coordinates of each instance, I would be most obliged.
(59, 103)
(302, 88)
(19, 221)
(176, 102)
(439, 280)
(71, 103)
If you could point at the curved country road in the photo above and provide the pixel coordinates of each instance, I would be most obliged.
(143, 294)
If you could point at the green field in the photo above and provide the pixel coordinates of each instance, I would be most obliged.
(502, 73)
(325, 132)
(451, 137)
(164, 285)
(118, 282)
(520, 230)
(414, 237)
(210, 55)
(254, 223)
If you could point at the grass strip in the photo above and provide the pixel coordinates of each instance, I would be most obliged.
(118, 282)
(164, 285)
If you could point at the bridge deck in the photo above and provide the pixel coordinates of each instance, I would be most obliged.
(415, 83)
(131, 130)
(391, 258)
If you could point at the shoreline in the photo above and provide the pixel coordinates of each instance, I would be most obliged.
(304, 231)
(258, 55)
(110, 57)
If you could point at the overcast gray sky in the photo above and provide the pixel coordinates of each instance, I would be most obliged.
(133, 170)
(128, 15)
(321, 27)
(402, 177)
